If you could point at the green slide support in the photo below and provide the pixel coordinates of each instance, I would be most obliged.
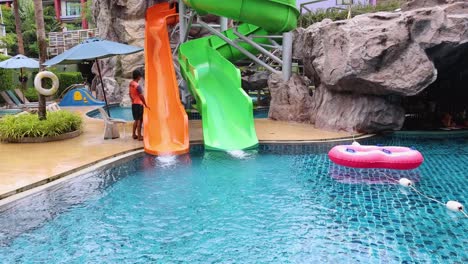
(215, 83)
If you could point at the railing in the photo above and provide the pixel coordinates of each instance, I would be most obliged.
(70, 17)
(306, 5)
(62, 41)
(341, 5)
(338, 4)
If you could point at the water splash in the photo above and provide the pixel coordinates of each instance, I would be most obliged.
(166, 161)
(238, 154)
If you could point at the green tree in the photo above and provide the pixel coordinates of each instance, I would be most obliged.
(28, 27)
(42, 45)
(9, 41)
(19, 33)
(88, 13)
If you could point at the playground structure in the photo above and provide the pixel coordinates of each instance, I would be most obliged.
(206, 65)
(78, 95)
(165, 122)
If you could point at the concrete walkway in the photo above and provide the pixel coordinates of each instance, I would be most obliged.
(24, 166)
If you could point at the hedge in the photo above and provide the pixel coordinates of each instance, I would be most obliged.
(31, 94)
(6, 76)
(68, 78)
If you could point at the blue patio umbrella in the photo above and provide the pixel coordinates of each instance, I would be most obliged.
(93, 49)
(19, 62)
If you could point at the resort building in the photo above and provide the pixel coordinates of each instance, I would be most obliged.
(6, 2)
(70, 11)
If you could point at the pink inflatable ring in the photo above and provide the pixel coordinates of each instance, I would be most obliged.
(367, 157)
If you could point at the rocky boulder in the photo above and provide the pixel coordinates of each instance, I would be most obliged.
(358, 64)
(110, 85)
(354, 112)
(255, 81)
(291, 100)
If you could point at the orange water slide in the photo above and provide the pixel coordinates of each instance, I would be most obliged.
(166, 122)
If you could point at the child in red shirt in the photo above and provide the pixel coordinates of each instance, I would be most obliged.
(138, 101)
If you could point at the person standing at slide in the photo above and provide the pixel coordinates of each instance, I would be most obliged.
(138, 101)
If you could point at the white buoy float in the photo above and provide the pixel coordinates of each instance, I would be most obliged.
(405, 182)
(454, 206)
(451, 205)
(38, 83)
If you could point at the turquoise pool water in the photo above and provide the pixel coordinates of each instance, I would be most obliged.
(264, 207)
(4, 112)
(126, 113)
(119, 112)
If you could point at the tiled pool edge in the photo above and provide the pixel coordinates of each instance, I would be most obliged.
(69, 174)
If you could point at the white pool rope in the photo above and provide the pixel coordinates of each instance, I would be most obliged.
(451, 205)
(463, 212)
(423, 195)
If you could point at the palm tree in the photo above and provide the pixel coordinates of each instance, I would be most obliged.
(41, 39)
(19, 34)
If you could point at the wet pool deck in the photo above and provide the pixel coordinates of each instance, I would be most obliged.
(24, 166)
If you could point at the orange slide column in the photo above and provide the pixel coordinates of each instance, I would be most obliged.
(166, 122)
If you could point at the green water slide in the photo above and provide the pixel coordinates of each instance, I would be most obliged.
(215, 83)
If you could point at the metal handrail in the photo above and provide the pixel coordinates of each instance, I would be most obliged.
(303, 7)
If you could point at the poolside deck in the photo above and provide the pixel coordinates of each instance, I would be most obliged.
(24, 166)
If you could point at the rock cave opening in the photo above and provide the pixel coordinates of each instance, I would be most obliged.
(444, 103)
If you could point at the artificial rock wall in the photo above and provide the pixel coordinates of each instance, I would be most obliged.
(359, 66)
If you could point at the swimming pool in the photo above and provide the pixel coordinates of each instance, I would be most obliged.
(277, 204)
(4, 112)
(125, 113)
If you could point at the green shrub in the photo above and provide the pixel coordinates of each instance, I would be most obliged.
(29, 125)
(6, 76)
(31, 94)
(308, 19)
(68, 78)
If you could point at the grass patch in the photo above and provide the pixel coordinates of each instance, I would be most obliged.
(29, 125)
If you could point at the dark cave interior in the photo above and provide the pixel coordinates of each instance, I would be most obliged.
(444, 104)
